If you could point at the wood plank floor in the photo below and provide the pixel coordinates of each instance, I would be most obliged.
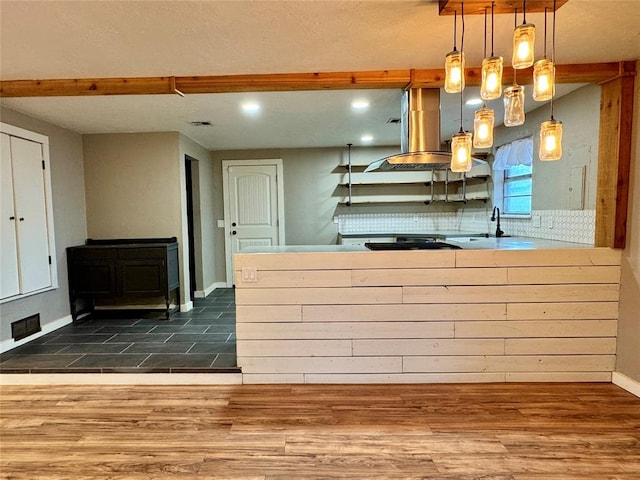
(485, 431)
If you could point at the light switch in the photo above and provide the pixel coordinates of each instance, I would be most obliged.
(249, 274)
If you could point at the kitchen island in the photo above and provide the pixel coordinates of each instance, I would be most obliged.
(344, 314)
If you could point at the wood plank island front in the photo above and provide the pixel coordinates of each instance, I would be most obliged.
(340, 315)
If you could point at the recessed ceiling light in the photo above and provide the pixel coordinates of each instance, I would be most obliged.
(473, 102)
(366, 138)
(251, 108)
(360, 105)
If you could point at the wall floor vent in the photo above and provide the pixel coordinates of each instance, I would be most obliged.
(27, 326)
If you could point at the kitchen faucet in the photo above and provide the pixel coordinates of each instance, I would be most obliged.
(495, 215)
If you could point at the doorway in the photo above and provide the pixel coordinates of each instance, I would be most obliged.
(189, 172)
(253, 206)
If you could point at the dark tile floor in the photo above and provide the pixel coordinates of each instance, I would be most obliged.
(199, 341)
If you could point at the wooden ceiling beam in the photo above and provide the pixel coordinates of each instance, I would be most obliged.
(426, 78)
(477, 7)
(206, 84)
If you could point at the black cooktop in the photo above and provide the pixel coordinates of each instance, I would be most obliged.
(410, 246)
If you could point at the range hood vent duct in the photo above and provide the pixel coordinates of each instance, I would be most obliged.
(420, 141)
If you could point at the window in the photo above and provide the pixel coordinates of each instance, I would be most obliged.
(517, 190)
(513, 177)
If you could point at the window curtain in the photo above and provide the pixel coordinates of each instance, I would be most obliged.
(518, 152)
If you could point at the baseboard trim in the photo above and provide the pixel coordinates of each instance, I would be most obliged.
(628, 383)
(187, 306)
(9, 343)
(204, 293)
(121, 379)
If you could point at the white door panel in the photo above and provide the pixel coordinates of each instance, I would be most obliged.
(31, 213)
(9, 281)
(253, 202)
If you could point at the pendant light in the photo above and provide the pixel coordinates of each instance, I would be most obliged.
(461, 141)
(483, 119)
(491, 87)
(524, 37)
(514, 100)
(461, 151)
(514, 105)
(544, 73)
(483, 122)
(454, 62)
(551, 130)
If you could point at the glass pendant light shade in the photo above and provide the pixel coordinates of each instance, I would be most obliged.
(454, 72)
(513, 106)
(550, 140)
(461, 152)
(491, 87)
(483, 121)
(544, 85)
(524, 37)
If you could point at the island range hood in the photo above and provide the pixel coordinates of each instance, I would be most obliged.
(420, 140)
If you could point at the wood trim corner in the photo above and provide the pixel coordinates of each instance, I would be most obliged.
(614, 157)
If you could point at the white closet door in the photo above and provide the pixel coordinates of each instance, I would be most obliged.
(9, 283)
(31, 213)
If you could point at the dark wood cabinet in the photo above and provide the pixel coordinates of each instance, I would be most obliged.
(123, 271)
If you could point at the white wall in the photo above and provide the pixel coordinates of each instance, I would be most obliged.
(311, 191)
(628, 361)
(135, 188)
(579, 113)
(69, 211)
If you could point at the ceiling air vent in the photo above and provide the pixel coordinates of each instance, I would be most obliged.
(393, 121)
(201, 123)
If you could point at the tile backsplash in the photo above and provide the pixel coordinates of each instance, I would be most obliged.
(577, 226)
(353, 223)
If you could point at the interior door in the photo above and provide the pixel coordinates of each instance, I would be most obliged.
(9, 282)
(31, 213)
(254, 202)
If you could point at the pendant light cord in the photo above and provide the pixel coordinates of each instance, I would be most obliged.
(515, 25)
(455, 28)
(545, 33)
(484, 48)
(553, 36)
(492, 5)
(461, 51)
(524, 12)
(553, 49)
(462, 18)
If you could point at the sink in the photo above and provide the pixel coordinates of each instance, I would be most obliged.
(410, 246)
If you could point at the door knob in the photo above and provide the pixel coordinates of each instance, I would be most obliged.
(12, 218)
(21, 219)
(233, 232)
(233, 224)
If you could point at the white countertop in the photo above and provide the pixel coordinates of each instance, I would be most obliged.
(435, 234)
(513, 243)
(306, 249)
(503, 243)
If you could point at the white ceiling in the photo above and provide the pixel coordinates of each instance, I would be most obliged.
(80, 39)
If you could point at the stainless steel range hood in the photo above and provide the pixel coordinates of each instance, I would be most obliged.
(420, 141)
